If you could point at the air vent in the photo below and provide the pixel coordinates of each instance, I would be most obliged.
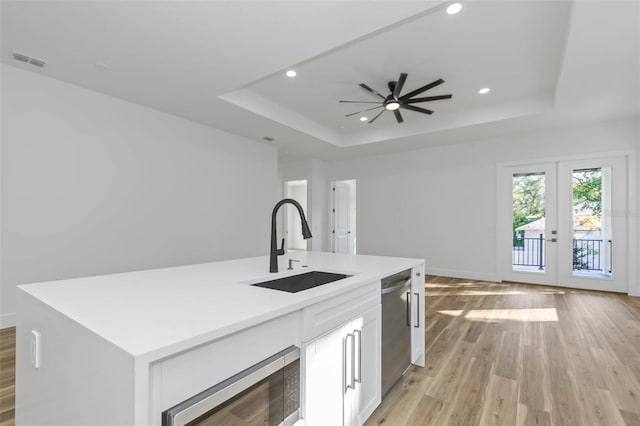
(27, 59)
(267, 138)
(37, 62)
(21, 58)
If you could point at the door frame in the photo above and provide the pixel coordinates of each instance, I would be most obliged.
(631, 208)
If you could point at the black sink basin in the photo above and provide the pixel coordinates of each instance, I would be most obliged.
(296, 283)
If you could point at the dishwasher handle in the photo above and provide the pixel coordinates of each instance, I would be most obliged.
(408, 298)
(387, 290)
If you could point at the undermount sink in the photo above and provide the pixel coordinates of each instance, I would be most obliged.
(296, 283)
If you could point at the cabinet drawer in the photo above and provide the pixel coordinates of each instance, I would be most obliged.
(324, 316)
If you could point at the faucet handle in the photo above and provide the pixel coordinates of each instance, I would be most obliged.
(280, 251)
(291, 263)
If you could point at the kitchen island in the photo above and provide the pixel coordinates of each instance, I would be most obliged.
(119, 349)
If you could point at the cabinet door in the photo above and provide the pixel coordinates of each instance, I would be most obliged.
(324, 378)
(417, 316)
(366, 396)
(343, 372)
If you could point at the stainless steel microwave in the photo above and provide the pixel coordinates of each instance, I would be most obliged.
(267, 393)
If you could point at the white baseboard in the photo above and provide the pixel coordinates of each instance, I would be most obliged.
(467, 275)
(7, 320)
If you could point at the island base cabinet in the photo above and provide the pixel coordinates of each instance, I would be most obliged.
(418, 316)
(342, 372)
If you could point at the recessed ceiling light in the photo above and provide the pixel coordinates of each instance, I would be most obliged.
(364, 118)
(484, 90)
(454, 8)
(291, 73)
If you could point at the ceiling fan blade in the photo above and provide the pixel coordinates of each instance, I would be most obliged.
(370, 90)
(358, 102)
(427, 99)
(379, 114)
(356, 113)
(416, 109)
(422, 89)
(399, 85)
(398, 115)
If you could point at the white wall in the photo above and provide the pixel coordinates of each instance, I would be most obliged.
(319, 205)
(92, 185)
(317, 211)
(296, 190)
(437, 202)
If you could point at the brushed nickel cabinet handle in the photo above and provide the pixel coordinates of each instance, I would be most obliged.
(359, 334)
(353, 361)
(345, 385)
(417, 310)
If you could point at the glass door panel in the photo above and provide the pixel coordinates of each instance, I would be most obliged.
(592, 203)
(528, 206)
(530, 216)
(591, 228)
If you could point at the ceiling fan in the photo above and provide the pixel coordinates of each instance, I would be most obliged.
(395, 101)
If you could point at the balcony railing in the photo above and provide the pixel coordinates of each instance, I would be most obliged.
(587, 253)
(528, 252)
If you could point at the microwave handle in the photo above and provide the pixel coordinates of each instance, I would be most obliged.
(196, 406)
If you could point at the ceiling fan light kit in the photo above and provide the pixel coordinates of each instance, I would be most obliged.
(395, 101)
(392, 105)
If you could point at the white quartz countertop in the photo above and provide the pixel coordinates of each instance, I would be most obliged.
(156, 313)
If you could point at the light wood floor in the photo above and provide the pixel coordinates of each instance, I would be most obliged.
(7, 375)
(500, 354)
(511, 354)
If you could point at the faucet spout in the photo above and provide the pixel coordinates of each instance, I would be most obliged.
(306, 232)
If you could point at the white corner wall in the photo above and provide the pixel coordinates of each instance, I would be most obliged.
(313, 171)
(439, 203)
(91, 184)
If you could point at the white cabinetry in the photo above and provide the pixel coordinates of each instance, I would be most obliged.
(417, 316)
(365, 393)
(342, 366)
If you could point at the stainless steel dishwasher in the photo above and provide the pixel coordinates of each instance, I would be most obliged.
(396, 327)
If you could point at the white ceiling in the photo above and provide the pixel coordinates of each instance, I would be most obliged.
(548, 63)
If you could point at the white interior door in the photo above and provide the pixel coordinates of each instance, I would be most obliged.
(565, 223)
(344, 217)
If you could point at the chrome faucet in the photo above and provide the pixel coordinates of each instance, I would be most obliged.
(275, 251)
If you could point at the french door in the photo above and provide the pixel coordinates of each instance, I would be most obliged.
(564, 223)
